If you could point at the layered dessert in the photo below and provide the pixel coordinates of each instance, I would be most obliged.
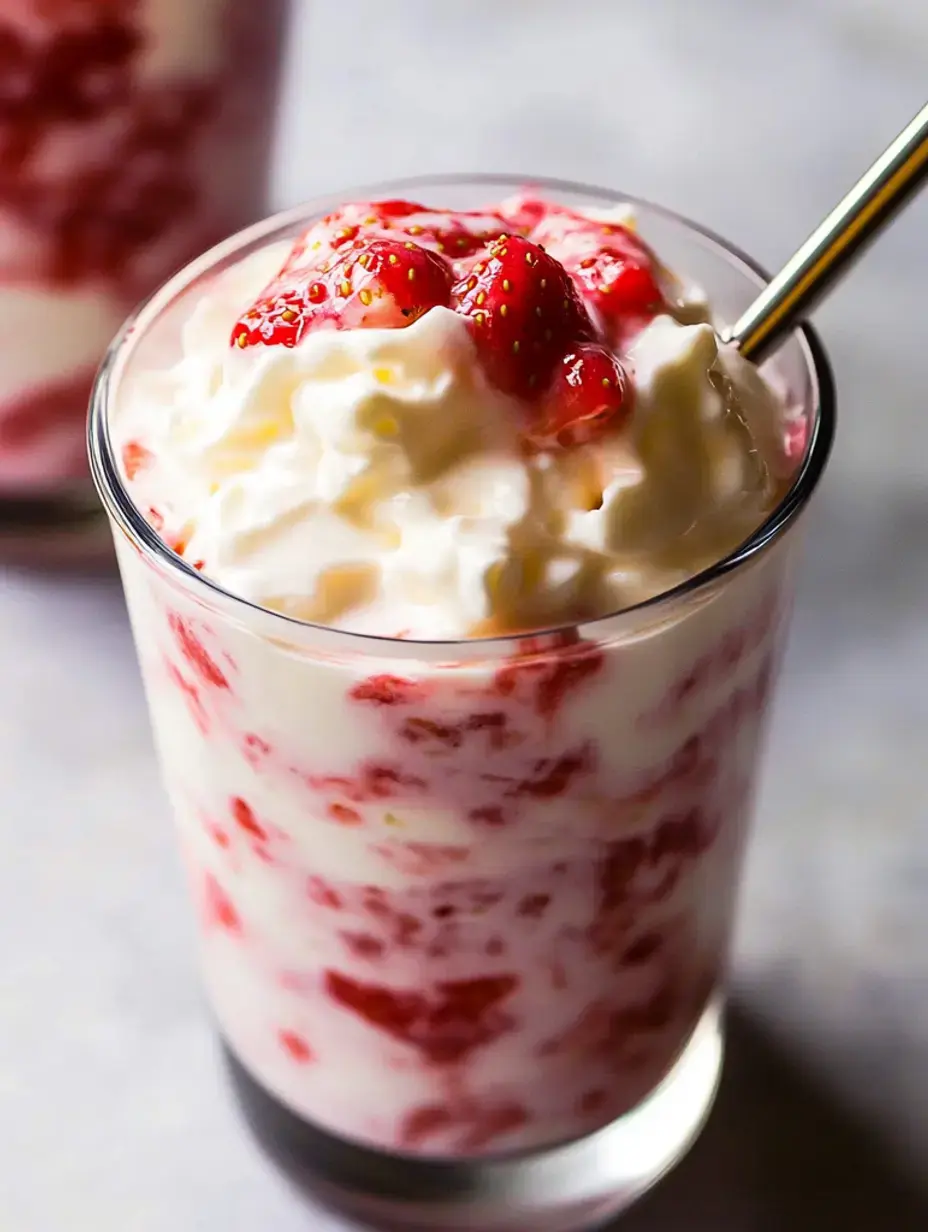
(461, 801)
(133, 133)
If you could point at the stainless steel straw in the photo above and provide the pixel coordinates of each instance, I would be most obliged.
(810, 273)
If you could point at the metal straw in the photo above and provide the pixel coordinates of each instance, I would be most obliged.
(828, 252)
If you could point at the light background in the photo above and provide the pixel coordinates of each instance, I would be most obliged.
(754, 118)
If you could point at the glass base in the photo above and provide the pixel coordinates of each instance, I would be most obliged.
(574, 1186)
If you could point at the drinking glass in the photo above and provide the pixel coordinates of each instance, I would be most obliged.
(464, 908)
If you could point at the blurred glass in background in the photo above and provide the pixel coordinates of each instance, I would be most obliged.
(133, 134)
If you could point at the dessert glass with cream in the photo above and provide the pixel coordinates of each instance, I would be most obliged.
(133, 134)
(458, 553)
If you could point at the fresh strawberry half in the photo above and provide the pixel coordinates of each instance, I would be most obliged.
(615, 271)
(589, 392)
(620, 283)
(524, 312)
(381, 283)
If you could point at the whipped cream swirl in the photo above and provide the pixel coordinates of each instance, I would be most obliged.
(372, 479)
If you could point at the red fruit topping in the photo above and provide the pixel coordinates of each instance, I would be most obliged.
(525, 313)
(524, 213)
(316, 246)
(456, 234)
(622, 288)
(614, 270)
(530, 277)
(380, 283)
(589, 393)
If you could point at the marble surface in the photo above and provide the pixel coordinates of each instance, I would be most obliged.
(753, 117)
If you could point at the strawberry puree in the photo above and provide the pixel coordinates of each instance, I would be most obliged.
(130, 138)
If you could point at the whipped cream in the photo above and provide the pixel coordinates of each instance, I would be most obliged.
(372, 479)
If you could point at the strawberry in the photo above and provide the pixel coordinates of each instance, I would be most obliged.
(619, 280)
(616, 273)
(381, 283)
(456, 234)
(589, 392)
(524, 313)
(321, 241)
(524, 212)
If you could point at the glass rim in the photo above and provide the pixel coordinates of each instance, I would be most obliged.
(123, 511)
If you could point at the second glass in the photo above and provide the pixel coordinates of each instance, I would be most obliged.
(133, 134)
(465, 908)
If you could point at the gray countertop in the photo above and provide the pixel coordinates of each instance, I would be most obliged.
(114, 1116)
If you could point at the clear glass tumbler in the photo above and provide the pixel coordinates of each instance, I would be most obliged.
(133, 135)
(465, 907)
